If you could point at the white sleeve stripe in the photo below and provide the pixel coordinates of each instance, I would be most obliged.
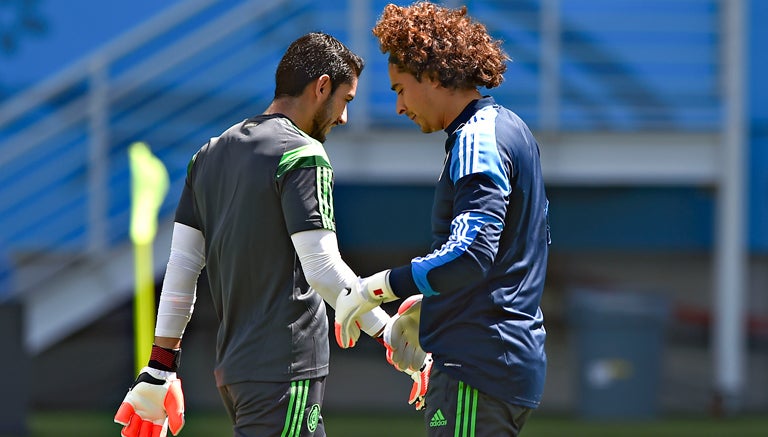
(476, 151)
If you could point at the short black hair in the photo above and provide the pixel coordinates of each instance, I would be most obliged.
(312, 56)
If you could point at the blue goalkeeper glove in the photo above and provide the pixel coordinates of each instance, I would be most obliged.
(364, 295)
(155, 402)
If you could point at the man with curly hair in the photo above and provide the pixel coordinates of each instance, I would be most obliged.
(481, 285)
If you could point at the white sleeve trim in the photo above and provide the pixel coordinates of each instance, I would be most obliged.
(328, 274)
(177, 298)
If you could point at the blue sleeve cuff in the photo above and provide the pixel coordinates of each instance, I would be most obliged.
(402, 283)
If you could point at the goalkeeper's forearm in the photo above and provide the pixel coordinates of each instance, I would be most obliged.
(328, 274)
(168, 342)
(177, 298)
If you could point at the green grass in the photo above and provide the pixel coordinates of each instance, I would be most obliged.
(689, 426)
(338, 424)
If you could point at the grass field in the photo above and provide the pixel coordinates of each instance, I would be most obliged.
(97, 424)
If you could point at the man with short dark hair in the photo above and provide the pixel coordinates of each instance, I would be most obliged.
(257, 211)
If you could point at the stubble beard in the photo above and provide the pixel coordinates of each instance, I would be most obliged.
(321, 122)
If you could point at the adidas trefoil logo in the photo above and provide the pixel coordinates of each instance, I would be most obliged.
(438, 419)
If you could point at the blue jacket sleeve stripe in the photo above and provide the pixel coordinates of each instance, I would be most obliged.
(464, 229)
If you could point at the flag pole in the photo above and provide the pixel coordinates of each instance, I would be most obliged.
(149, 185)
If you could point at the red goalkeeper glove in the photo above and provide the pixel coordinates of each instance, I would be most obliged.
(155, 402)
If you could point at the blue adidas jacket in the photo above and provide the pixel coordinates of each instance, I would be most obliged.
(483, 280)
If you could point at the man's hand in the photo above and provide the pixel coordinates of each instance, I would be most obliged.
(401, 336)
(420, 378)
(364, 295)
(154, 403)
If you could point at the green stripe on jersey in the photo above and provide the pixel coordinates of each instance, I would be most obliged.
(191, 163)
(325, 201)
(296, 406)
(311, 155)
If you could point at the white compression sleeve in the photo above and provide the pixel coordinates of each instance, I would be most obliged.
(177, 298)
(328, 274)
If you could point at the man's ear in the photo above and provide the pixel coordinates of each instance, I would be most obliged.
(323, 87)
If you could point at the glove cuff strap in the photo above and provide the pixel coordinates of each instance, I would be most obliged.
(378, 287)
(164, 359)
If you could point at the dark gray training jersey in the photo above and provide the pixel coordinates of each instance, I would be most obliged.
(247, 191)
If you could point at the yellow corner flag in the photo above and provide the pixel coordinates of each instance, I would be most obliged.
(149, 185)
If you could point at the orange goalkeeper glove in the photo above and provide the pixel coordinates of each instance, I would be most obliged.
(155, 402)
(401, 338)
(420, 379)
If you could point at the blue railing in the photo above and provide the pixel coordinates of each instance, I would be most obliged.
(187, 74)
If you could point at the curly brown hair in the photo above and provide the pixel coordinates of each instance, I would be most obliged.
(444, 44)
